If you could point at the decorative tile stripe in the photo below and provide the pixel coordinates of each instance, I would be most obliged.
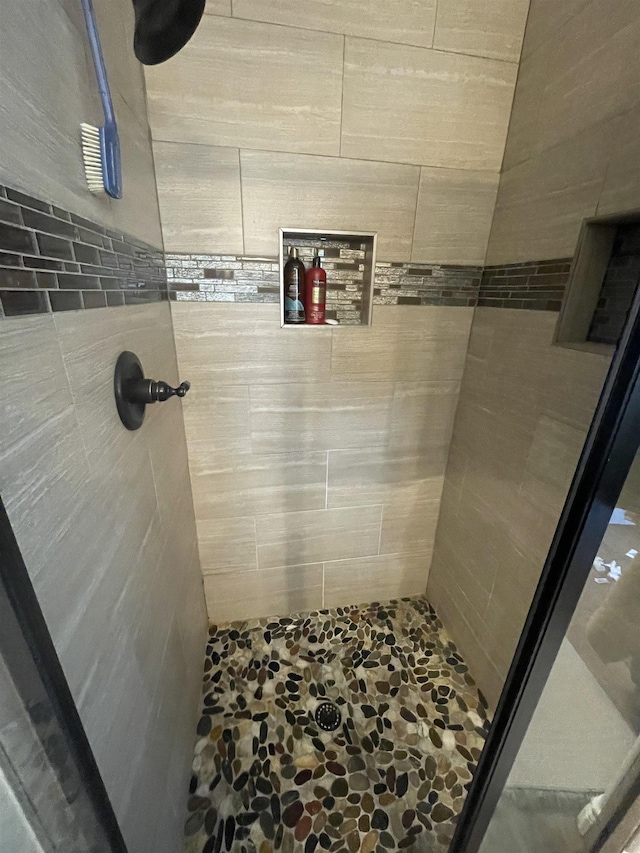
(390, 771)
(53, 260)
(230, 278)
(426, 284)
(536, 285)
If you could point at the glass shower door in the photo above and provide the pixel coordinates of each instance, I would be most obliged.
(580, 757)
(561, 765)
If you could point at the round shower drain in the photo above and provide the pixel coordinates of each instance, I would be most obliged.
(328, 716)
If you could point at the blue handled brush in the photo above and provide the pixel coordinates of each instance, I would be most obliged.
(100, 145)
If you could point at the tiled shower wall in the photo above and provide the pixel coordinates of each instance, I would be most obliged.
(381, 118)
(103, 517)
(317, 455)
(526, 404)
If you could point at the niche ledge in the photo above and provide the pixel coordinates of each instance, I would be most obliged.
(349, 258)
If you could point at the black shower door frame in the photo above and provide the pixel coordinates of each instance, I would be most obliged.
(29, 655)
(609, 451)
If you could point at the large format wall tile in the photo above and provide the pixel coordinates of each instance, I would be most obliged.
(199, 194)
(71, 475)
(294, 538)
(248, 484)
(267, 592)
(439, 109)
(293, 191)
(525, 407)
(218, 7)
(403, 21)
(590, 79)
(404, 343)
(375, 578)
(409, 526)
(576, 98)
(241, 344)
(492, 28)
(320, 416)
(453, 216)
(39, 132)
(216, 415)
(546, 19)
(226, 544)
(384, 475)
(244, 84)
(422, 413)
(276, 448)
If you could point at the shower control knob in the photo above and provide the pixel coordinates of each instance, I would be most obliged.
(133, 392)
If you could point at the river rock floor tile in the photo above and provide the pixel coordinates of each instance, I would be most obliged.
(392, 776)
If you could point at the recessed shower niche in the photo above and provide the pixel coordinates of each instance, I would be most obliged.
(349, 259)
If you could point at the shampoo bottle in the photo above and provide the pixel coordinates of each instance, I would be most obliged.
(293, 288)
(316, 293)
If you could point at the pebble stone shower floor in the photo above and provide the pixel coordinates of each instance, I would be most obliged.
(393, 776)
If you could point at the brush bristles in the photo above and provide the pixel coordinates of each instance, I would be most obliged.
(92, 157)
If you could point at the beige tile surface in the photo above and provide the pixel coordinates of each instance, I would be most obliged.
(409, 527)
(39, 135)
(227, 544)
(524, 410)
(542, 202)
(199, 194)
(226, 485)
(268, 592)
(423, 414)
(453, 216)
(320, 416)
(493, 28)
(375, 578)
(294, 538)
(238, 344)
(112, 602)
(251, 85)
(218, 7)
(523, 124)
(546, 19)
(217, 416)
(590, 78)
(440, 109)
(378, 475)
(403, 343)
(621, 189)
(403, 21)
(293, 191)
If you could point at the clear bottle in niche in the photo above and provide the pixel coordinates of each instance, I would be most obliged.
(294, 280)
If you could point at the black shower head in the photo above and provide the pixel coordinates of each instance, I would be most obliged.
(163, 27)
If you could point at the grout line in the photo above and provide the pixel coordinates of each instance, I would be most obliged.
(344, 51)
(323, 584)
(241, 201)
(326, 488)
(366, 38)
(435, 25)
(336, 157)
(415, 213)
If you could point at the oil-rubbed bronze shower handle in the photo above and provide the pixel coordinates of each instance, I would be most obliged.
(148, 391)
(133, 391)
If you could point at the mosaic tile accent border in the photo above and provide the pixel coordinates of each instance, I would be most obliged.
(392, 776)
(53, 260)
(534, 286)
(229, 278)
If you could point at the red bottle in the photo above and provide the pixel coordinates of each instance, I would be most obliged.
(316, 294)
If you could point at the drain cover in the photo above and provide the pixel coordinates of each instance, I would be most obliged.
(328, 716)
